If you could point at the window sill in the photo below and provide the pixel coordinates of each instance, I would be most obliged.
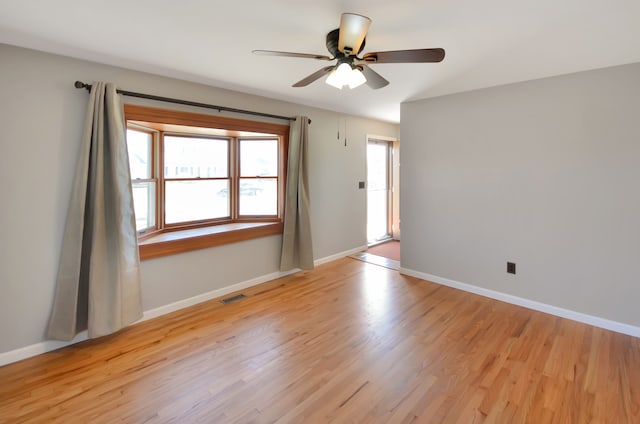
(174, 242)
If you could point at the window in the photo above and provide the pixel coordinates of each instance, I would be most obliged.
(140, 147)
(201, 180)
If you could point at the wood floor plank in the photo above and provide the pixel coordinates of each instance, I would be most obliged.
(349, 342)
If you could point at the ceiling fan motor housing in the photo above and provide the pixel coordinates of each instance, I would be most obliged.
(332, 44)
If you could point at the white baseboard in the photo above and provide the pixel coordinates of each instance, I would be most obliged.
(607, 324)
(49, 345)
(38, 348)
(185, 303)
(339, 255)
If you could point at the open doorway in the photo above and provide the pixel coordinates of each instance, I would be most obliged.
(383, 201)
(383, 196)
(379, 183)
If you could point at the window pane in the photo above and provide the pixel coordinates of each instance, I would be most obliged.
(144, 204)
(192, 157)
(258, 196)
(196, 200)
(258, 158)
(139, 148)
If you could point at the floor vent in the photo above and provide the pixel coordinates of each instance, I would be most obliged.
(233, 298)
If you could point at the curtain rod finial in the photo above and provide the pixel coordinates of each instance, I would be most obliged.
(80, 84)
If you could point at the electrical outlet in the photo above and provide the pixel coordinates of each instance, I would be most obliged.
(511, 267)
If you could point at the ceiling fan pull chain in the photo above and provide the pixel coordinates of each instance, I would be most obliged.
(345, 131)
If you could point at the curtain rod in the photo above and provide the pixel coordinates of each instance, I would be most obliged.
(80, 84)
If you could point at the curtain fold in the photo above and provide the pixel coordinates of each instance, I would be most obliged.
(297, 249)
(98, 282)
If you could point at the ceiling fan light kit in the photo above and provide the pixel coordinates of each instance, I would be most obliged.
(343, 75)
(344, 44)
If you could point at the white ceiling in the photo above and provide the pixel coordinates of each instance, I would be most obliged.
(488, 42)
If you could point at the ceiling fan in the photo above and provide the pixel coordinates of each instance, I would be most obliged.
(345, 44)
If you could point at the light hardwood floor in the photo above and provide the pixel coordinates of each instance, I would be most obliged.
(349, 342)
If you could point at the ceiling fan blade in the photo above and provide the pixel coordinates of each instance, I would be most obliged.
(315, 76)
(405, 56)
(374, 79)
(290, 54)
(353, 30)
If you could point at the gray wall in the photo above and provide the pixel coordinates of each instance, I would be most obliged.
(41, 119)
(544, 173)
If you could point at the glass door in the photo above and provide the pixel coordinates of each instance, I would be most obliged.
(378, 190)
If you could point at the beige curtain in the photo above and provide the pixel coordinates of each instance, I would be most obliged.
(297, 250)
(98, 283)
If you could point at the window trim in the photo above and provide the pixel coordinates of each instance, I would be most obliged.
(174, 239)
